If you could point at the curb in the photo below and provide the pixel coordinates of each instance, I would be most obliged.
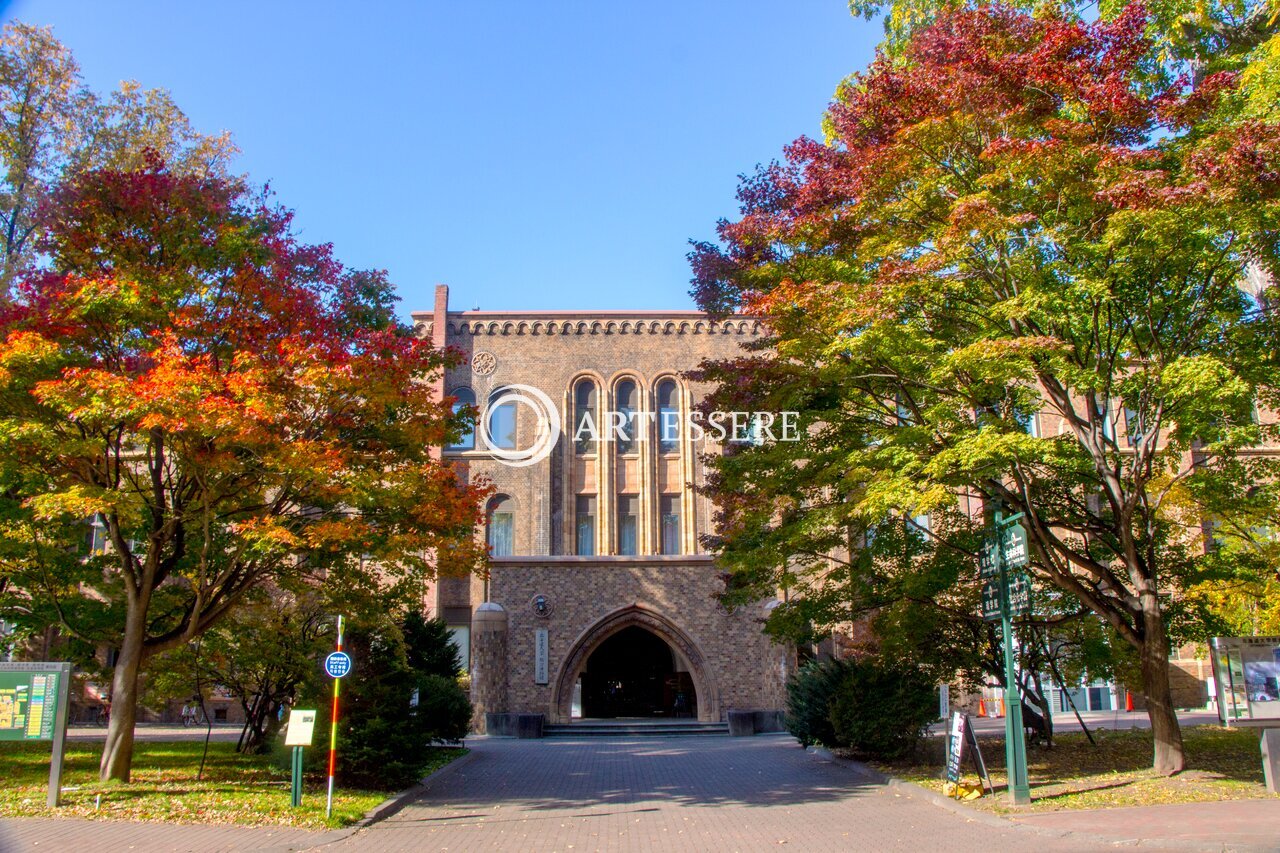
(910, 789)
(395, 803)
(382, 811)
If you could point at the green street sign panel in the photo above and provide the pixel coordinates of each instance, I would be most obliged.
(1015, 547)
(29, 702)
(1019, 594)
(991, 600)
(989, 558)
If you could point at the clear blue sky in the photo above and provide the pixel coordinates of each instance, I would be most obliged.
(532, 155)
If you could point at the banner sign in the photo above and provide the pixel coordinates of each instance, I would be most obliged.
(960, 734)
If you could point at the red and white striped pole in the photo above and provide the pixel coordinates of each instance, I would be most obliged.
(333, 732)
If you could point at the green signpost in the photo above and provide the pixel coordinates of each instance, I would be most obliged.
(298, 735)
(1007, 593)
(34, 699)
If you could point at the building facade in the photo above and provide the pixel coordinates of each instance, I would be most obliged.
(600, 601)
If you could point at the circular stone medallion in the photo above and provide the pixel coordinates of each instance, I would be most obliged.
(484, 363)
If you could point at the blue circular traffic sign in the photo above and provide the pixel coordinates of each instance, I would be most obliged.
(337, 664)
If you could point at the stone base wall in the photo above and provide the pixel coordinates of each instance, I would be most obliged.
(734, 666)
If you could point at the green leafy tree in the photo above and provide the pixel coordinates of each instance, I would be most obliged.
(1010, 224)
(52, 126)
(1241, 596)
(916, 587)
(264, 653)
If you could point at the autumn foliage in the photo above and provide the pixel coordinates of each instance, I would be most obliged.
(230, 406)
(1012, 217)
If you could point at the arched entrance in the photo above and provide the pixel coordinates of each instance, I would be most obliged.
(641, 673)
(634, 673)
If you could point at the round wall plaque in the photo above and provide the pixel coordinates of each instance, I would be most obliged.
(484, 363)
(541, 606)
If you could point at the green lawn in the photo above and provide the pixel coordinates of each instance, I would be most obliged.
(239, 789)
(1223, 764)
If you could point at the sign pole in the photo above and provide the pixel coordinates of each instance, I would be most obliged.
(298, 735)
(59, 736)
(295, 798)
(1014, 735)
(333, 732)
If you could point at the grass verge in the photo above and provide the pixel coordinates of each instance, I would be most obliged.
(238, 789)
(1223, 764)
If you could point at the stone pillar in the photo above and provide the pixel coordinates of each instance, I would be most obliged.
(778, 665)
(488, 663)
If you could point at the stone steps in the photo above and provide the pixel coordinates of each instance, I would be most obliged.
(636, 728)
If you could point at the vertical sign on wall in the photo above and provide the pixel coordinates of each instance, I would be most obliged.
(540, 656)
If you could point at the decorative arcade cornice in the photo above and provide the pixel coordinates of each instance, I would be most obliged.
(493, 324)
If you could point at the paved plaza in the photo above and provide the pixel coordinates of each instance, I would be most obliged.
(671, 794)
(677, 794)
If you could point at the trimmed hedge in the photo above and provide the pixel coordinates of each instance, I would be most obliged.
(875, 708)
(810, 693)
(882, 710)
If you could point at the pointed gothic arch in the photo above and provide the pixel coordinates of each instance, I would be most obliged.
(586, 643)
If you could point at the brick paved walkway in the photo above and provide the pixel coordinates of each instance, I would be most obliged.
(677, 794)
(1244, 824)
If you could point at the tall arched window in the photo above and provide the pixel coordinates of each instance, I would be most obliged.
(501, 421)
(628, 525)
(500, 529)
(585, 523)
(464, 398)
(668, 416)
(586, 417)
(669, 524)
(624, 406)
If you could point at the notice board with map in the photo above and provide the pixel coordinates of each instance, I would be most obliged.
(33, 706)
(29, 702)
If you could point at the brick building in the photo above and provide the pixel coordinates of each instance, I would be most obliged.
(600, 601)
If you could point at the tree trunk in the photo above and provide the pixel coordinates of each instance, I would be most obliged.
(272, 726)
(117, 752)
(255, 722)
(1165, 731)
(1042, 699)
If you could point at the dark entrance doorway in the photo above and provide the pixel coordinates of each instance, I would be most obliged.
(633, 674)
